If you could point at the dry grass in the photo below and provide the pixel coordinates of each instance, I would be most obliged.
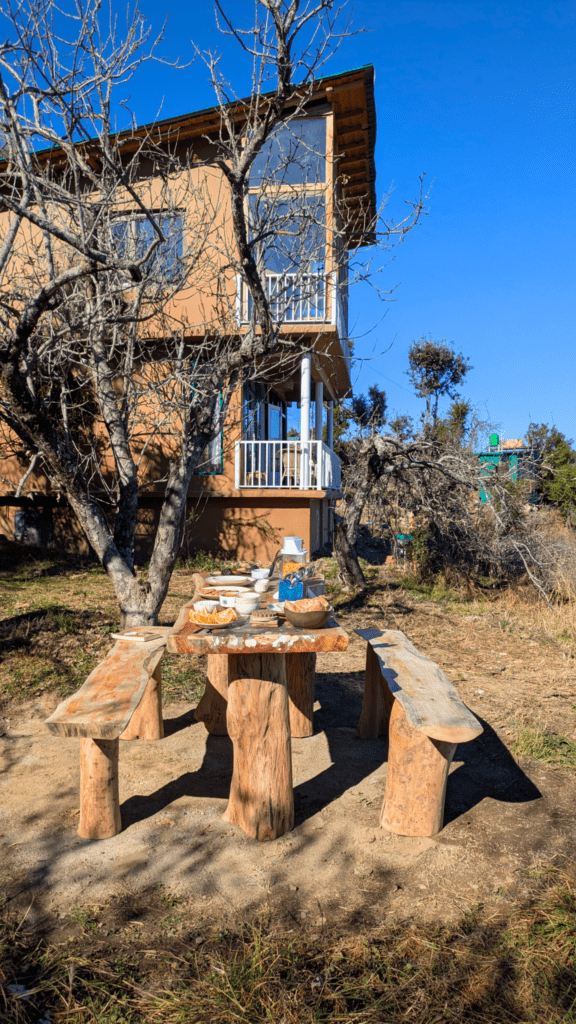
(486, 969)
(55, 627)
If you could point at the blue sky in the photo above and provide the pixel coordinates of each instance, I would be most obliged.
(480, 96)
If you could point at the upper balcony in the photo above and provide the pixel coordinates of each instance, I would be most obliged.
(309, 300)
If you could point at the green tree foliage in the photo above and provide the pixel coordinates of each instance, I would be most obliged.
(455, 425)
(557, 463)
(435, 370)
(369, 411)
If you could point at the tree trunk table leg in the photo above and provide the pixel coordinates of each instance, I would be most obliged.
(212, 707)
(416, 781)
(300, 679)
(99, 800)
(261, 794)
(377, 702)
(147, 722)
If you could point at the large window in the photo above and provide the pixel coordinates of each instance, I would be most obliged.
(287, 215)
(294, 155)
(291, 232)
(132, 237)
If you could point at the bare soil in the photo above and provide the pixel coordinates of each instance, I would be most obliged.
(177, 865)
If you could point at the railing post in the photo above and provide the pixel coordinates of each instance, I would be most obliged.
(237, 464)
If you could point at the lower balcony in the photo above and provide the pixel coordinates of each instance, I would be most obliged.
(299, 465)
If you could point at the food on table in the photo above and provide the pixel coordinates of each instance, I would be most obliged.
(216, 592)
(218, 617)
(309, 604)
(291, 567)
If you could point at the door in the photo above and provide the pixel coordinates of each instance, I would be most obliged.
(274, 450)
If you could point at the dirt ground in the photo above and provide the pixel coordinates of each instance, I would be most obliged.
(177, 861)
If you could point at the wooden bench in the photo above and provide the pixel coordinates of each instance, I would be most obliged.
(408, 697)
(120, 700)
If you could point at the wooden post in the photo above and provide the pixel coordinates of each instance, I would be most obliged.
(378, 700)
(416, 781)
(261, 794)
(99, 801)
(147, 722)
(212, 707)
(300, 679)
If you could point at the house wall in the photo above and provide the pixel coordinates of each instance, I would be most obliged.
(252, 529)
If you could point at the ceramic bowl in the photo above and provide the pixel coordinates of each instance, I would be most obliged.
(205, 606)
(227, 600)
(246, 603)
(260, 574)
(261, 586)
(308, 620)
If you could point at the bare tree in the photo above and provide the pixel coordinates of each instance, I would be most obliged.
(103, 377)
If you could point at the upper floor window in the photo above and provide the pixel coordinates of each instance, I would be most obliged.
(292, 232)
(133, 235)
(294, 155)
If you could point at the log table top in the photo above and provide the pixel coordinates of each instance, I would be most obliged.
(187, 638)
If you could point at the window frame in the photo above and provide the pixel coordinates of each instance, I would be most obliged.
(133, 217)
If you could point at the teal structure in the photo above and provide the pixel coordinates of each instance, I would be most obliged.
(521, 463)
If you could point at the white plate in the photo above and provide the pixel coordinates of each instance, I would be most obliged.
(216, 592)
(228, 581)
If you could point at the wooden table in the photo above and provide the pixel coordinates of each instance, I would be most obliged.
(260, 691)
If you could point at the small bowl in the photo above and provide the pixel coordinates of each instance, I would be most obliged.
(227, 600)
(261, 586)
(247, 603)
(260, 574)
(206, 606)
(308, 620)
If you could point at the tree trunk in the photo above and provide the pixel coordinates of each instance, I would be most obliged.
(261, 794)
(214, 702)
(416, 779)
(99, 802)
(346, 557)
(300, 679)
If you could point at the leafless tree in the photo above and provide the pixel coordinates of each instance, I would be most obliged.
(430, 488)
(104, 379)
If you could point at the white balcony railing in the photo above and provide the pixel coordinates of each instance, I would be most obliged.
(299, 465)
(294, 298)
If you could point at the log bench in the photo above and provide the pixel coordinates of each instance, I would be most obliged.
(120, 700)
(408, 697)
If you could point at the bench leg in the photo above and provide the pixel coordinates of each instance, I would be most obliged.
(212, 707)
(416, 781)
(99, 800)
(147, 722)
(261, 794)
(378, 700)
(300, 679)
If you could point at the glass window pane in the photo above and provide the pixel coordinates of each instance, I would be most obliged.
(293, 232)
(133, 237)
(294, 155)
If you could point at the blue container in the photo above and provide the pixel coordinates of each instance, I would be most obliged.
(290, 589)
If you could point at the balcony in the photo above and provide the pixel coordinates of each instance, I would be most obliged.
(286, 465)
(299, 298)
